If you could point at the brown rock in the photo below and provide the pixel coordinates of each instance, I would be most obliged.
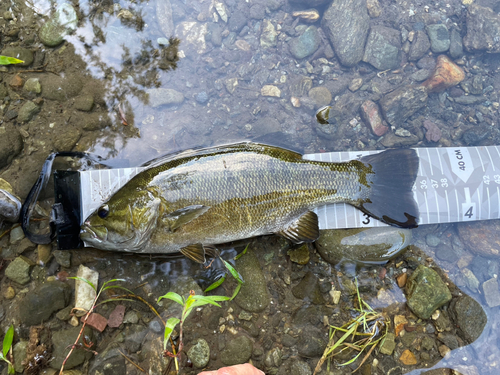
(96, 321)
(433, 133)
(399, 323)
(446, 74)
(481, 237)
(401, 279)
(116, 316)
(16, 82)
(371, 116)
(408, 358)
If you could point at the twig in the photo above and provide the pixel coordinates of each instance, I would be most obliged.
(135, 364)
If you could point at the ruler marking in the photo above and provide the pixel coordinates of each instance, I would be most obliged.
(458, 207)
(498, 152)
(479, 202)
(437, 208)
(491, 159)
(480, 158)
(426, 207)
(439, 158)
(489, 205)
(447, 205)
(429, 160)
(498, 200)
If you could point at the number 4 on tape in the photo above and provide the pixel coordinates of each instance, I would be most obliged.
(469, 207)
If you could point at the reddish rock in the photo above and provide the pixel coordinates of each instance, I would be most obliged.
(408, 358)
(371, 116)
(96, 321)
(116, 316)
(433, 133)
(16, 82)
(446, 74)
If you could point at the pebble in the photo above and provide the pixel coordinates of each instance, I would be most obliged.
(44, 253)
(299, 255)
(238, 350)
(370, 114)
(420, 45)
(63, 258)
(402, 103)
(84, 102)
(202, 97)
(268, 37)
(439, 37)
(388, 344)
(321, 96)
(9, 293)
(20, 53)
(131, 317)
(270, 90)
(308, 289)
(446, 74)
(491, 292)
(469, 317)
(64, 21)
(84, 293)
(483, 30)
(432, 240)
(33, 85)
(306, 44)
(199, 353)
(470, 279)
(159, 97)
(383, 47)
(10, 209)
(28, 111)
(18, 270)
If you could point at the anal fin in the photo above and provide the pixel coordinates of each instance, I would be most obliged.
(303, 229)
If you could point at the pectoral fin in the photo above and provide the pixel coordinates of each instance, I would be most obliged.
(184, 215)
(197, 252)
(303, 229)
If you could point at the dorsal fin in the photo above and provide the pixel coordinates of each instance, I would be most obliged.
(303, 229)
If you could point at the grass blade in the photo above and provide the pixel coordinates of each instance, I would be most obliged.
(242, 253)
(235, 273)
(216, 284)
(7, 341)
(84, 280)
(7, 60)
(169, 328)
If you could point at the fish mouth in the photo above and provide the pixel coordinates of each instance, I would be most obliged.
(90, 236)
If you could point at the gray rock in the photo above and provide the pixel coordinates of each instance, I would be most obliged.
(365, 245)
(3, 91)
(110, 361)
(432, 240)
(11, 144)
(320, 96)
(16, 235)
(39, 304)
(28, 111)
(131, 317)
(63, 258)
(10, 207)
(483, 30)
(33, 85)
(470, 99)
(445, 252)
(62, 340)
(19, 353)
(288, 340)
(61, 89)
(308, 289)
(19, 53)
(389, 344)
(238, 350)
(311, 343)
(306, 44)
(456, 46)
(18, 270)
(199, 353)
(273, 359)
(402, 103)
(159, 97)
(298, 367)
(474, 136)
(419, 46)
(62, 22)
(491, 292)
(253, 295)
(346, 24)
(391, 140)
(439, 36)
(421, 75)
(239, 16)
(268, 37)
(84, 103)
(164, 17)
(309, 3)
(469, 317)
(426, 292)
(382, 48)
(134, 337)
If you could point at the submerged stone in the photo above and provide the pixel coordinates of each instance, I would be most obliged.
(199, 353)
(238, 350)
(306, 44)
(308, 289)
(469, 317)
(63, 22)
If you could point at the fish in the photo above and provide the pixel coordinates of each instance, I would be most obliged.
(193, 201)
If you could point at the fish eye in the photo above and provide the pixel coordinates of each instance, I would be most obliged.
(103, 211)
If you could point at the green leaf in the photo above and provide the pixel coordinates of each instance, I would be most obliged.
(238, 287)
(210, 299)
(242, 253)
(216, 284)
(7, 60)
(174, 297)
(169, 328)
(235, 273)
(7, 340)
(116, 287)
(84, 280)
(12, 371)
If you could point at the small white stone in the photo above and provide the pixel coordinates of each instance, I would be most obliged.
(84, 293)
(270, 90)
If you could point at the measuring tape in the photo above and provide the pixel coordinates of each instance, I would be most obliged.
(453, 184)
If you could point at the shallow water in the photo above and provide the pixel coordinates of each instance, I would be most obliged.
(101, 93)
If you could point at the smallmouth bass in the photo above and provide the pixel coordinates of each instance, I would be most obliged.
(196, 199)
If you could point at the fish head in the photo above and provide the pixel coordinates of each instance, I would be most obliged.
(124, 223)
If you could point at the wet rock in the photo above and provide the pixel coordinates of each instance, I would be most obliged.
(456, 46)
(62, 22)
(346, 24)
(11, 144)
(439, 36)
(476, 135)
(28, 111)
(193, 34)
(288, 340)
(61, 89)
(270, 90)
(97, 321)
(66, 140)
(19, 53)
(63, 258)
(300, 255)
(18, 270)
(470, 99)
(391, 140)
(367, 245)
(491, 292)
(10, 206)
(356, 84)
(419, 46)
(268, 36)
(19, 352)
(253, 295)
(33, 85)
(421, 75)
(131, 317)
(84, 103)
(402, 103)
(84, 293)
(3, 91)
(388, 344)
(202, 97)
(469, 317)
(63, 339)
(309, 3)
(308, 289)
(444, 252)
(433, 133)
(199, 353)
(306, 44)
(164, 17)
(408, 358)
(116, 317)
(426, 292)
(311, 343)
(446, 74)
(321, 96)
(483, 30)
(371, 116)
(16, 235)
(159, 97)
(382, 48)
(374, 8)
(134, 336)
(309, 15)
(238, 350)
(110, 361)
(470, 279)
(39, 304)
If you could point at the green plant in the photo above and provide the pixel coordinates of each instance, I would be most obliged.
(7, 349)
(360, 333)
(7, 60)
(233, 272)
(187, 307)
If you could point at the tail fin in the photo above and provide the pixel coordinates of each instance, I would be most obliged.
(391, 198)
